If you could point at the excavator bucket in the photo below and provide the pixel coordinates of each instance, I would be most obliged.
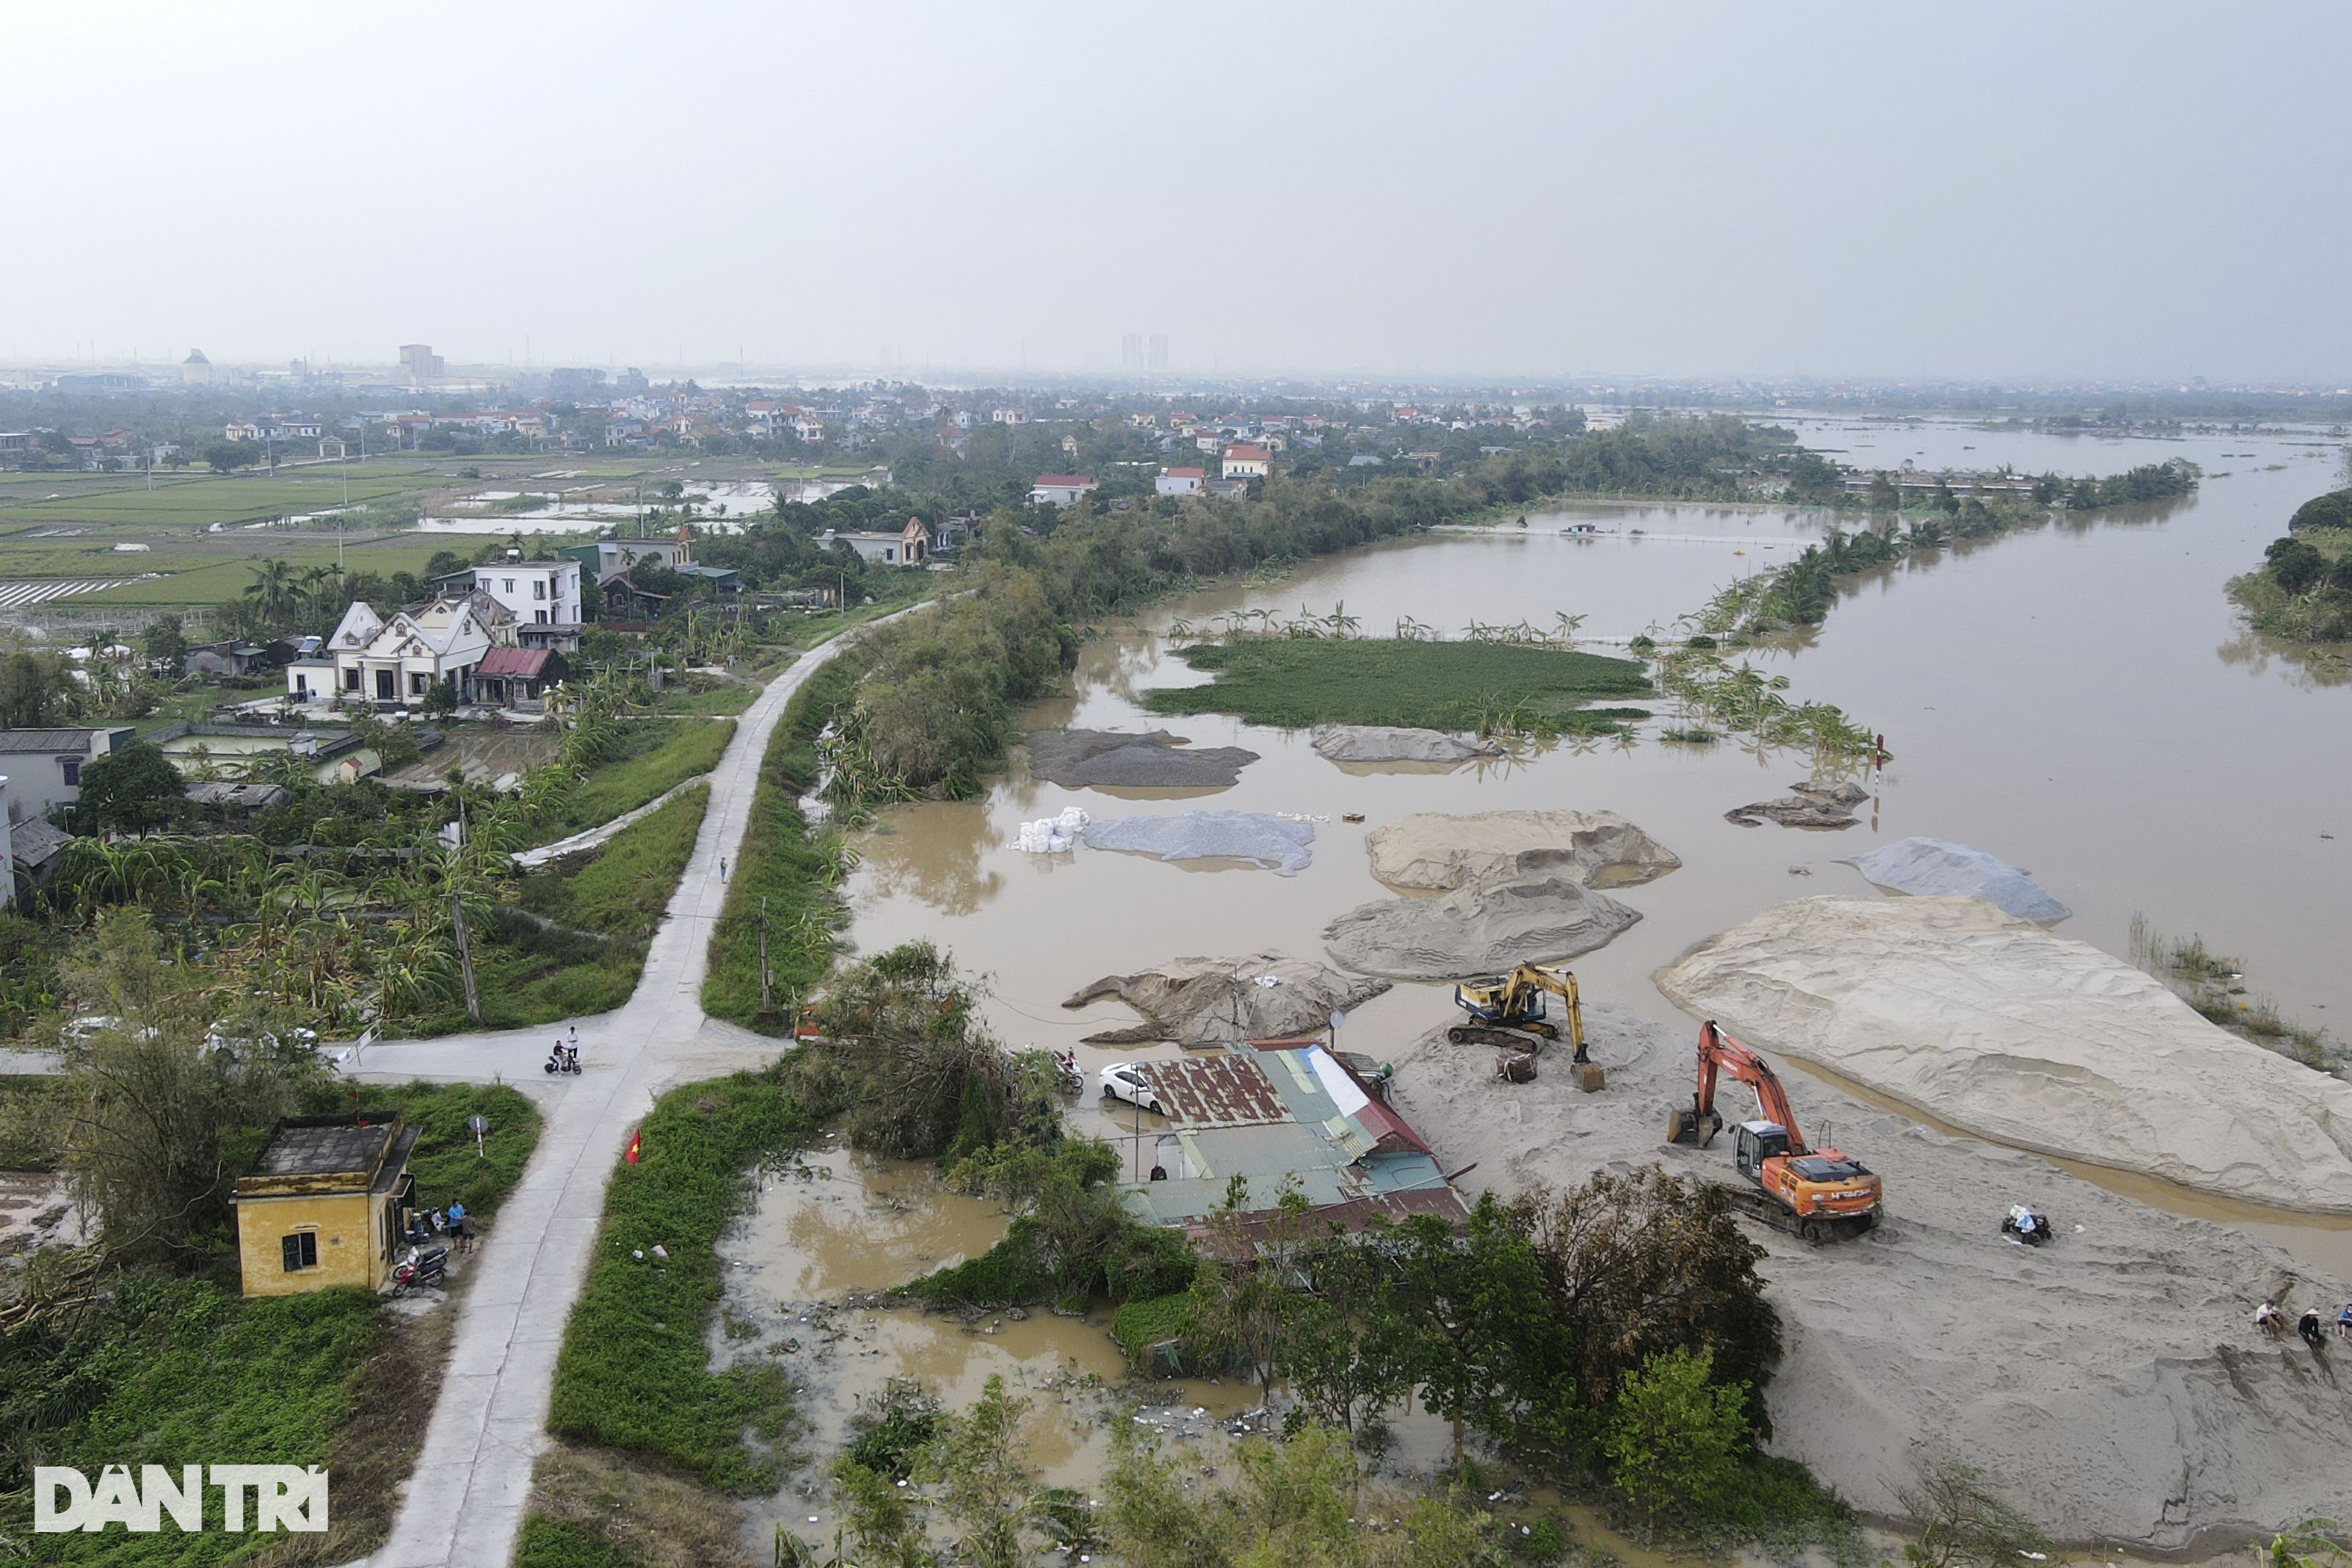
(1682, 1124)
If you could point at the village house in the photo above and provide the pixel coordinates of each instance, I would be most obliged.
(1245, 461)
(398, 661)
(326, 1204)
(518, 677)
(1059, 490)
(43, 766)
(1180, 481)
(607, 556)
(908, 547)
(538, 592)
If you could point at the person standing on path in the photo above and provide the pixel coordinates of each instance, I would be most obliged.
(722, 867)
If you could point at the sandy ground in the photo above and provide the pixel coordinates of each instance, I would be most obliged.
(2111, 1384)
(1995, 1026)
(1433, 851)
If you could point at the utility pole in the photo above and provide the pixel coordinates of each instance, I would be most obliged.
(766, 1003)
(465, 958)
(457, 920)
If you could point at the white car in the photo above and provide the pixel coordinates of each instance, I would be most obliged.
(1127, 1081)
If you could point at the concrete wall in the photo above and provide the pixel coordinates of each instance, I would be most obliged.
(352, 1242)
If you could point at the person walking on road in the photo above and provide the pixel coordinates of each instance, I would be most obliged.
(722, 867)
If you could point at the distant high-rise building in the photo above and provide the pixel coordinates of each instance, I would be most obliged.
(197, 370)
(1159, 360)
(1131, 351)
(421, 363)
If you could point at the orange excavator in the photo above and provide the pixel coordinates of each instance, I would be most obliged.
(1817, 1194)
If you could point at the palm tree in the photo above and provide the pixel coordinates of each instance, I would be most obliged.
(272, 589)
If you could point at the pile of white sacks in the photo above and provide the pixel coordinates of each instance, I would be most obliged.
(1053, 834)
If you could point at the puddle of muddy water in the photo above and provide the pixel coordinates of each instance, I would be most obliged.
(2077, 699)
(844, 1223)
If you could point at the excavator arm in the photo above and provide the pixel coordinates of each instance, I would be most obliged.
(1721, 1055)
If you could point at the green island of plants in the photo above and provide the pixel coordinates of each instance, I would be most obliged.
(1491, 688)
(2303, 590)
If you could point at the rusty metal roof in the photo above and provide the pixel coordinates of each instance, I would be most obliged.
(1221, 1091)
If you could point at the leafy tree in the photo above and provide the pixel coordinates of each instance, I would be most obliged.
(157, 1121)
(1675, 1436)
(129, 790)
(2295, 564)
(35, 689)
(882, 1517)
(164, 640)
(227, 457)
(440, 699)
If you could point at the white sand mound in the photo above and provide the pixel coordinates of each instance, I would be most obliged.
(1275, 842)
(1439, 850)
(1927, 868)
(2110, 1383)
(1389, 744)
(1194, 1001)
(1477, 930)
(1995, 1026)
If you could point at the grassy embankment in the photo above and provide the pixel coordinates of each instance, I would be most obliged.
(784, 865)
(178, 1370)
(2303, 591)
(601, 906)
(658, 754)
(1485, 687)
(634, 1395)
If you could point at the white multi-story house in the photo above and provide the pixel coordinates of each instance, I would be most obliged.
(908, 547)
(538, 593)
(1180, 481)
(401, 659)
(1245, 461)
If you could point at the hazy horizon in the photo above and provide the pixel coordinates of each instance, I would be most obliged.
(2003, 192)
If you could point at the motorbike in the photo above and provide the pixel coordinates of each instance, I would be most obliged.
(1074, 1078)
(421, 1268)
(560, 1060)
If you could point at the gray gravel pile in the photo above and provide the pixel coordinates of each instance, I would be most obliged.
(1374, 743)
(1077, 759)
(1478, 929)
(1929, 868)
(1213, 1001)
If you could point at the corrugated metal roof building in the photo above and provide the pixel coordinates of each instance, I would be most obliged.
(1274, 1114)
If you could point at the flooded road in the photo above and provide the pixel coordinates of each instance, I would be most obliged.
(2077, 699)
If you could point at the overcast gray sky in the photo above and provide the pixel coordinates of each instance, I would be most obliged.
(1981, 190)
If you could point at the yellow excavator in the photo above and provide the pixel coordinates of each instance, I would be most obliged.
(1506, 1009)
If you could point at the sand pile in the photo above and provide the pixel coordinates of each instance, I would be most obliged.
(1077, 759)
(1927, 868)
(1275, 842)
(1196, 1001)
(1389, 744)
(1438, 850)
(1995, 1026)
(2110, 1383)
(1477, 928)
(1814, 803)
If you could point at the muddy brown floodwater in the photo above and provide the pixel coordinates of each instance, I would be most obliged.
(843, 1224)
(2079, 699)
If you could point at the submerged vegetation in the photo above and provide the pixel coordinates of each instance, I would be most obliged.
(2214, 984)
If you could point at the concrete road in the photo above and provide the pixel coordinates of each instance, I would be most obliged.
(463, 1505)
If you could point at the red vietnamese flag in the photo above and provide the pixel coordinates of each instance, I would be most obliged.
(637, 1139)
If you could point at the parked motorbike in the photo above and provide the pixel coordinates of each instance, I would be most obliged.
(425, 1267)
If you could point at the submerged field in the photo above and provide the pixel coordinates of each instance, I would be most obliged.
(1428, 685)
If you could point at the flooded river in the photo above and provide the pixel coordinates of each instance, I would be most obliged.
(2078, 699)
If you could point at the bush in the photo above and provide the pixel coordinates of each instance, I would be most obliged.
(2333, 509)
(1674, 1435)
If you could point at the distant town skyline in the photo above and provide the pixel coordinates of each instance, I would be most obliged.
(2100, 190)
